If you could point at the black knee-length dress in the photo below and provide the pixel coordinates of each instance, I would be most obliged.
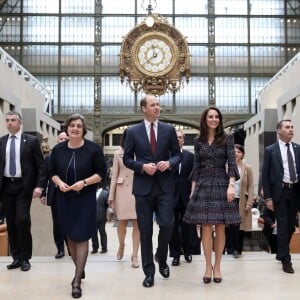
(213, 165)
(77, 210)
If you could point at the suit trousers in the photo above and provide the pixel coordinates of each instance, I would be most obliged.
(57, 231)
(161, 204)
(182, 235)
(103, 237)
(285, 212)
(17, 203)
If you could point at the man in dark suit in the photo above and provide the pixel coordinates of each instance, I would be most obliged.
(182, 234)
(152, 151)
(280, 181)
(22, 173)
(102, 205)
(49, 197)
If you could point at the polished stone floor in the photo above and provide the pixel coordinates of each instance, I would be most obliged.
(253, 276)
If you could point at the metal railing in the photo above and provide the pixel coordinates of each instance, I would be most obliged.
(11, 63)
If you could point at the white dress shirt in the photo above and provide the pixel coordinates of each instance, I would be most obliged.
(18, 162)
(283, 150)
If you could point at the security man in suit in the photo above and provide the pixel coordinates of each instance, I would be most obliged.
(22, 173)
(152, 152)
(182, 234)
(280, 181)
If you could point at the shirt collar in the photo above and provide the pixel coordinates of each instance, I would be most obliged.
(17, 135)
(148, 124)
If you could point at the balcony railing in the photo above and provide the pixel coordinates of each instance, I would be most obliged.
(11, 63)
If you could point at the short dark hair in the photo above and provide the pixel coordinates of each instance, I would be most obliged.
(14, 113)
(143, 102)
(280, 123)
(74, 117)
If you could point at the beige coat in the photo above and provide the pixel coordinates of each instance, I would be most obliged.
(246, 196)
(120, 192)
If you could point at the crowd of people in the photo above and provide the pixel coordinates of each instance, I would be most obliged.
(152, 178)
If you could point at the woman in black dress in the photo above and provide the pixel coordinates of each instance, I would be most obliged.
(213, 175)
(77, 166)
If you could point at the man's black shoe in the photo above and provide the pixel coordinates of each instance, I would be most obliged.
(188, 258)
(164, 270)
(59, 254)
(94, 251)
(176, 261)
(14, 265)
(287, 267)
(25, 265)
(148, 281)
(103, 251)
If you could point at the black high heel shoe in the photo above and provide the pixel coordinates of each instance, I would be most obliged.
(207, 279)
(217, 279)
(76, 291)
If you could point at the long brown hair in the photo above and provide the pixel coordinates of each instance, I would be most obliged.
(219, 135)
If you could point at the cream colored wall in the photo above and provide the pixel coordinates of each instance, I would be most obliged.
(282, 95)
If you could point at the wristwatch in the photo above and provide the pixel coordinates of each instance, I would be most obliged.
(84, 182)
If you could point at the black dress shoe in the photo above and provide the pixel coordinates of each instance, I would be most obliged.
(103, 251)
(176, 261)
(188, 258)
(164, 270)
(148, 281)
(25, 265)
(14, 265)
(94, 251)
(287, 267)
(59, 254)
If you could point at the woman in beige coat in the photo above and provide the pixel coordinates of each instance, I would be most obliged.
(244, 197)
(122, 201)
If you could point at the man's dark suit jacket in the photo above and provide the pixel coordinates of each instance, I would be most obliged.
(272, 170)
(182, 180)
(138, 151)
(49, 189)
(101, 206)
(32, 162)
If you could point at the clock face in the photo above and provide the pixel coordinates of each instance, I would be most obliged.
(155, 55)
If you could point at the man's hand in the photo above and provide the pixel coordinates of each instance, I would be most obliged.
(163, 166)
(150, 168)
(37, 192)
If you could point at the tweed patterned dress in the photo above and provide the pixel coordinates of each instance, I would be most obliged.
(213, 165)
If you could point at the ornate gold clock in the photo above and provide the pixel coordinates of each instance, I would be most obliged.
(154, 58)
(155, 54)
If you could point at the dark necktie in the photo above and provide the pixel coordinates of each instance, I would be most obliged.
(152, 138)
(12, 156)
(291, 164)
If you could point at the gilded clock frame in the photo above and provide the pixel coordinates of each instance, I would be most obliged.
(160, 82)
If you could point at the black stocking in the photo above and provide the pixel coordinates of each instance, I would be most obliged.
(79, 252)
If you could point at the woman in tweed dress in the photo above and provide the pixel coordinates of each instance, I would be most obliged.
(213, 176)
